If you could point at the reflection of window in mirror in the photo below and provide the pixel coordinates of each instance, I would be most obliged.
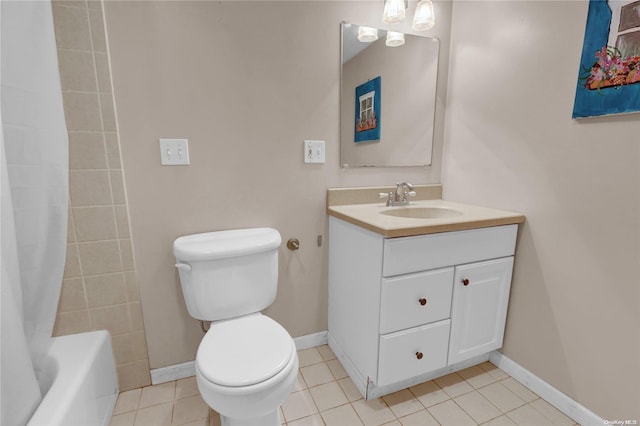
(366, 106)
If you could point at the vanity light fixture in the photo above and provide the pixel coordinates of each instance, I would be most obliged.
(393, 11)
(424, 18)
(394, 39)
(367, 34)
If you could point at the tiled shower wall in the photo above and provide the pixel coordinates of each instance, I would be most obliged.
(99, 290)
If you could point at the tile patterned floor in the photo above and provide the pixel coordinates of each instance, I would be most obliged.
(325, 395)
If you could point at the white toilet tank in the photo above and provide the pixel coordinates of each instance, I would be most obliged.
(227, 274)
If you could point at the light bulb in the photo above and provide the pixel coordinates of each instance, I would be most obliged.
(424, 18)
(367, 34)
(393, 11)
(394, 39)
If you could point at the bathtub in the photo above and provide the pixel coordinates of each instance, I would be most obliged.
(81, 379)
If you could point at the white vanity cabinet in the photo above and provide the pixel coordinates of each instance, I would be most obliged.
(405, 310)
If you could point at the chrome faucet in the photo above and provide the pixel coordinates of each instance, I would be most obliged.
(399, 197)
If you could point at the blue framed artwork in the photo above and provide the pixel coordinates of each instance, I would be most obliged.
(609, 78)
(367, 119)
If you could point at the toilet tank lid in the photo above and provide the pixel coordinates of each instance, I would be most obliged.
(225, 244)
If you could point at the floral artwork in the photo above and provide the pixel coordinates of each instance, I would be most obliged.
(612, 70)
(367, 118)
(607, 82)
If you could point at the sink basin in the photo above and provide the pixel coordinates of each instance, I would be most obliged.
(422, 212)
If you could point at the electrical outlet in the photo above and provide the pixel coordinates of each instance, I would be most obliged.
(174, 152)
(314, 151)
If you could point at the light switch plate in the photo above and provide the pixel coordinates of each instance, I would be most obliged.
(314, 151)
(174, 152)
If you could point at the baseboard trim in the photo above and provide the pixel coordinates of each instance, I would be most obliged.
(311, 340)
(553, 396)
(188, 369)
(173, 372)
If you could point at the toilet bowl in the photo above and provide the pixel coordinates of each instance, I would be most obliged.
(246, 364)
(245, 369)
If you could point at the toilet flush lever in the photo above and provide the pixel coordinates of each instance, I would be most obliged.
(183, 266)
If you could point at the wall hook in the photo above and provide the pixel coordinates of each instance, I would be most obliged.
(293, 244)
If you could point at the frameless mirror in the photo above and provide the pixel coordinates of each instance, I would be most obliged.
(387, 99)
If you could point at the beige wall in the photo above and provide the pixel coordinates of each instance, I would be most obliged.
(408, 76)
(246, 83)
(99, 289)
(511, 143)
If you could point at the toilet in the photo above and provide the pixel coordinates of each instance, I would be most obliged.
(246, 364)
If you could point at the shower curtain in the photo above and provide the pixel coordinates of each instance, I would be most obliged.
(34, 197)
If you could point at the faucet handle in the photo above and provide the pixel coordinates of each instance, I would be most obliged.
(387, 195)
(411, 193)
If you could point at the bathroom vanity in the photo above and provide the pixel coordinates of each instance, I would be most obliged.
(416, 292)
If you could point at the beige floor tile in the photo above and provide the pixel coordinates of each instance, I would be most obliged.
(199, 422)
(350, 390)
(516, 387)
(500, 421)
(328, 395)
(157, 394)
(429, 393)
(552, 413)
(528, 416)
(124, 419)
(157, 415)
(493, 371)
(478, 407)
(214, 418)
(326, 353)
(453, 385)
(344, 415)
(476, 377)
(373, 412)
(314, 420)
(501, 397)
(402, 403)
(127, 401)
(337, 369)
(300, 384)
(186, 387)
(189, 409)
(421, 418)
(449, 413)
(317, 374)
(299, 404)
(308, 357)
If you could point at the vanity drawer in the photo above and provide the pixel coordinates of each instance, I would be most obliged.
(410, 353)
(410, 300)
(413, 254)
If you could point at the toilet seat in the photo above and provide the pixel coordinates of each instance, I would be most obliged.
(244, 351)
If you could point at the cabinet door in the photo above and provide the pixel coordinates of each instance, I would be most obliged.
(479, 308)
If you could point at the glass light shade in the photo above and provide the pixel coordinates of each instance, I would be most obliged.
(394, 39)
(424, 18)
(393, 11)
(367, 34)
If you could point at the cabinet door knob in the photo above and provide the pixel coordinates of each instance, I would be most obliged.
(423, 301)
(465, 281)
(419, 355)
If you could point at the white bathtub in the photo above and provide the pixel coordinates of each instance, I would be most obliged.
(81, 377)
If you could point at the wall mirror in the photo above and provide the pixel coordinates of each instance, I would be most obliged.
(387, 98)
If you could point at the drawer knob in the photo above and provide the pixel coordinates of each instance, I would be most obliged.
(419, 355)
(465, 281)
(423, 301)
